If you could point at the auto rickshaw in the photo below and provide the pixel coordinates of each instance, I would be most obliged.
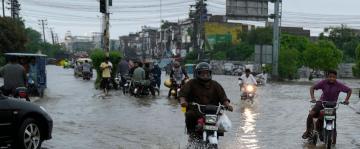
(35, 68)
(78, 66)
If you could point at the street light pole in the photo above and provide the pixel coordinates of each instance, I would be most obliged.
(276, 39)
(3, 8)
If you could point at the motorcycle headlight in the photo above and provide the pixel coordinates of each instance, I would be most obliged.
(210, 119)
(249, 88)
(173, 92)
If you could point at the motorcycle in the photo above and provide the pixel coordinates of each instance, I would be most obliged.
(140, 88)
(126, 84)
(175, 89)
(260, 81)
(118, 81)
(207, 130)
(86, 75)
(324, 127)
(21, 93)
(248, 92)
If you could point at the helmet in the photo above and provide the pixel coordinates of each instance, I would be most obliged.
(203, 66)
(176, 64)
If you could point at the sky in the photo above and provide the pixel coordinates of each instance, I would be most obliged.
(82, 17)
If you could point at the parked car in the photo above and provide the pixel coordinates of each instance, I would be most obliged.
(23, 125)
(237, 72)
(228, 68)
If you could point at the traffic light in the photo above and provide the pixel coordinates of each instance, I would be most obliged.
(103, 6)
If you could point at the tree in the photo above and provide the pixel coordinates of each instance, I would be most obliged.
(356, 68)
(191, 57)
(322, 55)
(34, 41)
(345, 39)
(262, 36)
(220, 55)
(288, 62)
(12, 35)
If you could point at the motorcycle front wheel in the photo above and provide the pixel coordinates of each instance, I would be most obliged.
(328, 138)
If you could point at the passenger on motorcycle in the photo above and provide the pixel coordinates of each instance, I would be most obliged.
(132, 69)
(177, 74)
(202, 90)
(331, 89)
(149, 82)
(247, 79)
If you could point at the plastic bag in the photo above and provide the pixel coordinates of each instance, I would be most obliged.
(224, 123)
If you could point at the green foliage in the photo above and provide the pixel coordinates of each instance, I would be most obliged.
(299, 43)
(322, 55)
(191, 57)
(288, 62)
(34, 40)
(260, 36)
(98, 56)
(220, 55)
(345, 39)
(12, 35)
(356, 68)
(227, 51)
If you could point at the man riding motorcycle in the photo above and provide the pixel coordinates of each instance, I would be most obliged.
(331, 89)
(177, 74)
(139, 75)
(202, 90)
(247, 79)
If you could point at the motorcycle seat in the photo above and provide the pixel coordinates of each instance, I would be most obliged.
(330, 105)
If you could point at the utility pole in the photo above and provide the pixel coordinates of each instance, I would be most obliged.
(14, 8)
(43, 23)
(3, 7)
(198, 35)
(276, 38)
(160, 50)
(104, 9)
(52, 35)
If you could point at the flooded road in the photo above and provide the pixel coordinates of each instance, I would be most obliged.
(84, 119)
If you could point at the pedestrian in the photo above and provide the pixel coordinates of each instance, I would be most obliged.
(14, 76)
(156, 71)
(105, 67)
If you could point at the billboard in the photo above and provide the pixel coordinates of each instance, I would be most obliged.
(251, 10)
(263, 54)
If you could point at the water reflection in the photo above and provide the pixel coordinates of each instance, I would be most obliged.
(248, 136)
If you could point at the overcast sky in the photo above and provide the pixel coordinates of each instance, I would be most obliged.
(82, 17)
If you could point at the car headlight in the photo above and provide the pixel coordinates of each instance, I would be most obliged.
(210, 119)
(249, 88)
(42, 108)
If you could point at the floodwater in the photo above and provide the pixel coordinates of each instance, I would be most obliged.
(85, 119)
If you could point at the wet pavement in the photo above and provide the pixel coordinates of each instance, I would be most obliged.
(85, 119)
